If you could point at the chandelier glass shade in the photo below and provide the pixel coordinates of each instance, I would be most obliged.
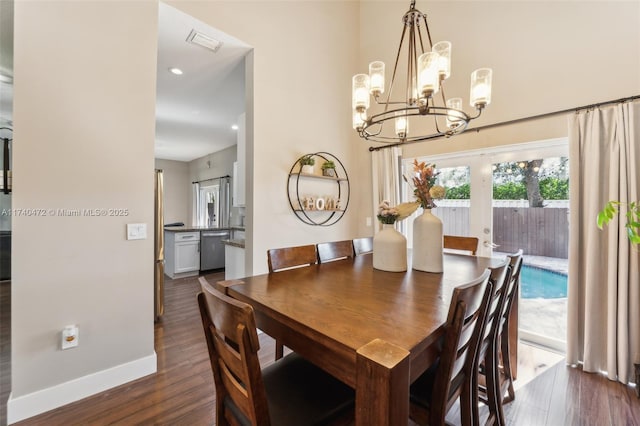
(424, 96)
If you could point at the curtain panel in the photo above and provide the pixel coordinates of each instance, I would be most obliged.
(385, 167)
(603, 324)
(196, 204)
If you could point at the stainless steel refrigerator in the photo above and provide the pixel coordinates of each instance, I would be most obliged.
(158, 276)
(224, 203)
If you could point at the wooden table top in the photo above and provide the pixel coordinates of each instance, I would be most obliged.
(351, 303)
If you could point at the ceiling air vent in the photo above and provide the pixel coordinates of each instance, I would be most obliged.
(205, 41)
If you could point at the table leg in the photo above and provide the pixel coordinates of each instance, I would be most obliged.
(382, 384)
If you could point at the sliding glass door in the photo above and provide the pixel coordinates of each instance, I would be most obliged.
(513, 198)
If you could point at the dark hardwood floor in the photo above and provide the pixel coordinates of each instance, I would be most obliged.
(182, 393)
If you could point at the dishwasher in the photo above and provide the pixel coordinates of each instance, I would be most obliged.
(212, 249)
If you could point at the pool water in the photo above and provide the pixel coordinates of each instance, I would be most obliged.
(542, 283)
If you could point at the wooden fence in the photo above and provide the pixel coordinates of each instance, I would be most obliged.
(538, 231)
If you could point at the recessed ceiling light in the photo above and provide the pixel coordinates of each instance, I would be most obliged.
(234, 127)
(176, 71)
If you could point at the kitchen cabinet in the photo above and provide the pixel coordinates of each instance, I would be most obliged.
(182, 254)
(234, 262)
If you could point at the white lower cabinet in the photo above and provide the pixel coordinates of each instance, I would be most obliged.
(233, 263)
(182, 254)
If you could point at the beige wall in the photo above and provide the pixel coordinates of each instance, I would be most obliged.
(84, 122)
(177, 190)
(213, 165)
(303, 60)
(84, 135)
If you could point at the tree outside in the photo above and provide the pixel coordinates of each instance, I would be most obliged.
(535, 180)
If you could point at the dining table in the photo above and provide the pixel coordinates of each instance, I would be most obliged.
(374, 330)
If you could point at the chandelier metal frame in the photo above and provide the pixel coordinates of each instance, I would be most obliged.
(416, 103)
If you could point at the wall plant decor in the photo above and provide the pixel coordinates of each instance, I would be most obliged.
(317, 199)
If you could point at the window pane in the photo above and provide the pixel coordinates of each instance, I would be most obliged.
(530, 212)
(453, 209)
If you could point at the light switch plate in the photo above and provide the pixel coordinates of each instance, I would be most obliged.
(136, 231)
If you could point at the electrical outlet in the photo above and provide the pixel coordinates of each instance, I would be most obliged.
(70, 337)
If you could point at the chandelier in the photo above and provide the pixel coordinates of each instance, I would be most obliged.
(424, 94)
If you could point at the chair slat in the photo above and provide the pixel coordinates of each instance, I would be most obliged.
(454, 242)
(290, 257)
(363, 245)
(335, 250)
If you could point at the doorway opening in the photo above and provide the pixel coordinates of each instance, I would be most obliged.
(513, 197)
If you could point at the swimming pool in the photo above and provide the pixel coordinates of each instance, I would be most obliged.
(542, 283)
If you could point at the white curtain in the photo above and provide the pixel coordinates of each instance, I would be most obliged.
(603, 328)
(196, 204)
(385, 166)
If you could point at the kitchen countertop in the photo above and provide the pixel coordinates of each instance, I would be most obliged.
(201, 228)
(235, 242)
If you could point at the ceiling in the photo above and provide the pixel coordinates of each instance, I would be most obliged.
(195, 110)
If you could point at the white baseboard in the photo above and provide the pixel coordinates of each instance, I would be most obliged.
(35, 403)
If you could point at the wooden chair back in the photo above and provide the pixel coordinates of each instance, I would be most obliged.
(232, 340)
(498, 278)
(335, 250)
(512, 290)
(508, 353)
(286, 258)
(455, 242)
(363, 245)
(291, 257)
(463, 328)
(488, 347)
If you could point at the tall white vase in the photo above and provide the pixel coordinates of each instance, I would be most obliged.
(427, 243)
(390, 250)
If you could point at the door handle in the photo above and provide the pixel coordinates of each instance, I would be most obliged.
(490, 244)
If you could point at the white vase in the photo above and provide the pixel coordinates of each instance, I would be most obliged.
(390, 250)
(427, 243)
(308, 169)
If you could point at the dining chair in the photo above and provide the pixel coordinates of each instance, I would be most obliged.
(495, 384)
(485, 372)
(449, 378)
(291, 257)
(334, 250)
(507, 354)
(363, 245)
(287, 258)
(455, 242)
(290, 392)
